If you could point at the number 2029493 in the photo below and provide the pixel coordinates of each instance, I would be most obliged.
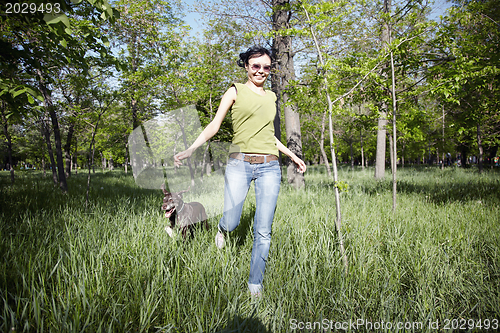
(32, 8)
(464, 324)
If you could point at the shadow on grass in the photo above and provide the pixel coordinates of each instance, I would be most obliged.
(441, 188)
(32, 192)
(238, 324)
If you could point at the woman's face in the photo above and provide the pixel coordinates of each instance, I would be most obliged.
(258, 69)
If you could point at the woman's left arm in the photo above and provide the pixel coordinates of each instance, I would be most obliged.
(301, 166)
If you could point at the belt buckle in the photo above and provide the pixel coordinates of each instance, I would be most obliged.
(253, 159)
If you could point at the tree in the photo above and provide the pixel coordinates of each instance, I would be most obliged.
(149, 36)
(284, 68)
(338, 220)
(37, 44)
(382, 120)
(466, 74)
(5, 127)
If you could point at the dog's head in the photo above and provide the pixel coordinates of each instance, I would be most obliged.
(170, 202)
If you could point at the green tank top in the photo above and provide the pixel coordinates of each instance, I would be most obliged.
(253, 122)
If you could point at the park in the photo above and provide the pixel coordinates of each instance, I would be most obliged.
(393, 106)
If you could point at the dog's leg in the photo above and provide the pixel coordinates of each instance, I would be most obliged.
(169, 231)
(204, 217)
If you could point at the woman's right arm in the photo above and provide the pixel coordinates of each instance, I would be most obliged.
(226, 102)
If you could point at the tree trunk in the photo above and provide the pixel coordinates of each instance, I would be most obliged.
(186, 146)
(57, 134)
(361, 141)
(282, 51)
(126, 158)
(91, 159)
(133, 50)
(67, 148)
(9, 141)
(403, 155)
(362, 150)
(442, 165)
(464, 152)
(44, 172)
(382, 121)
(480, 146)
(46, 135)
(205, 165)
(322, 145)
(381, 145)
(391, 150)
(352, 153)
(76, 157)
(394, 151)
(275, 86)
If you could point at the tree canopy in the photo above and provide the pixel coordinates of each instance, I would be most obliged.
(98, 69)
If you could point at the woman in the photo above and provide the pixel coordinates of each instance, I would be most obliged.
(253, 155)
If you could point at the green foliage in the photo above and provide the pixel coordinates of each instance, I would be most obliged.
(47, 39)
(465, 79)
(342, 186)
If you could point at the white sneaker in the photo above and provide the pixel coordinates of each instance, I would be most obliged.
(220, 239)
(255, 290)
(257, 295)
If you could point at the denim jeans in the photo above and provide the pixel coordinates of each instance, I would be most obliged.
(267, 178)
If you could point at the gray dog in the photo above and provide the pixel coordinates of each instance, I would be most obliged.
(185, 215)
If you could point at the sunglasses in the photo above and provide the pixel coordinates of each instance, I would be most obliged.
(257, 67)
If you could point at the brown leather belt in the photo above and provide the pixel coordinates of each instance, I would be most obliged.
(254, 159)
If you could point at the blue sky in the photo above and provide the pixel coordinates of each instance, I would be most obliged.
(194, 20)
(439, 7)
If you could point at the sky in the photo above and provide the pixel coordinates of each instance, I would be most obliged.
(194, 20)
(439, 8)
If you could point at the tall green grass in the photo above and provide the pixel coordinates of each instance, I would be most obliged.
(112, 268)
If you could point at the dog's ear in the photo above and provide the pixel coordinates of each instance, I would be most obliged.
(164, 189)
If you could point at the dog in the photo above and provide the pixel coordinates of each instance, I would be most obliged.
(185, 215)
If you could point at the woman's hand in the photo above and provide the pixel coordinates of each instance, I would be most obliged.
(301, 166)
(181, 156)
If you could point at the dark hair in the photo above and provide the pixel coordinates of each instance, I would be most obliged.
(253, 52)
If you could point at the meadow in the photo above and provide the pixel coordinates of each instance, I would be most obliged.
(432, 265)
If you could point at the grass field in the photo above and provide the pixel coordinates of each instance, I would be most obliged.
(434, 264)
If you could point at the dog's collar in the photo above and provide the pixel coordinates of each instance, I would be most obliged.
(180, 210)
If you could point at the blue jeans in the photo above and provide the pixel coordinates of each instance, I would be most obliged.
(267, 177)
